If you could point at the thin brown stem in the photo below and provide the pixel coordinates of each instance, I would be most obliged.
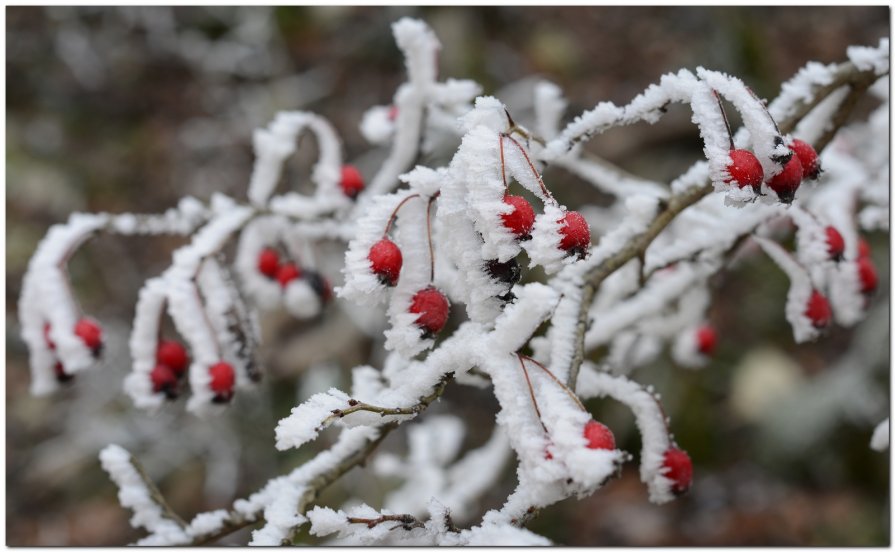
(531, 391)
(558, 382)
(503, 165)
(429, 237)
(765, 107)
(724, 115)
(404, 521)
(394, 215)
(530, 165)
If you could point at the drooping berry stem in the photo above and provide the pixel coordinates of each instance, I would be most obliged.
(530, 165)
(558, 382)
(724, 115)
(394, 215)
(765, 108)
(429, 237)
(503, 165)
(531, 391)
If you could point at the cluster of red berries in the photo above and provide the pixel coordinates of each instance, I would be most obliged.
(269, 265)
(745, 170)
(171, 364)
(90, 333)
(573, 227)
(679, 467)
(429, 303)
(818, 308)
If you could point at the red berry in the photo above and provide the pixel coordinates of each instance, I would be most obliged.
(786, 182)
(706, 339)
(575, 234)
(863, 248)
(287, 272)
(392, 112)
(547, 455)
(49, 341)
(91, 334)
(61, 376)
(173, 355)
(268, 262)
(599, 437)
(744, 169)
(520, 220)
(352, 182)
(835, 243)
(807, 157)
(164, 380)
(385, 260)
(818, 310)
(433, 308)
(222, 379)
(679, 470)
(867, 274)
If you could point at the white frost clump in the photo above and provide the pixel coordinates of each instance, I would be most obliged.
(133, 494)
(46, 299)
(306, 419)
(800, 289)
(880, 439)
(865, 57)
(144, 344)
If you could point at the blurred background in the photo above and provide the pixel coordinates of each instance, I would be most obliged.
(129, 109)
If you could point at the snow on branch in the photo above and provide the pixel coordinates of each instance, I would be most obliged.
(454, 235)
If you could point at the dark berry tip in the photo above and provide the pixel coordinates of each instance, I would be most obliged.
(222, 398)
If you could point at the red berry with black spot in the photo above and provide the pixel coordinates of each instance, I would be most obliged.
(835, 243)
(520, 220)
(786, 182)
(222, 380)
(867, 275)
(818, 310)
(164, 380)
(599, 437)
(173, 355)
(352, 182)
(385, 261)
(433, 308)
(287, 272)
(706, 339)
(744, 169)
(575, 234)
(807, 157)
(91, 334)
(268, 262)
(679, 469)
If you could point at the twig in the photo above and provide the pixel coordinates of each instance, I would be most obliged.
(405, 521)
(424, 402)
(236, 521)
(858, 82)
(155, 494)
